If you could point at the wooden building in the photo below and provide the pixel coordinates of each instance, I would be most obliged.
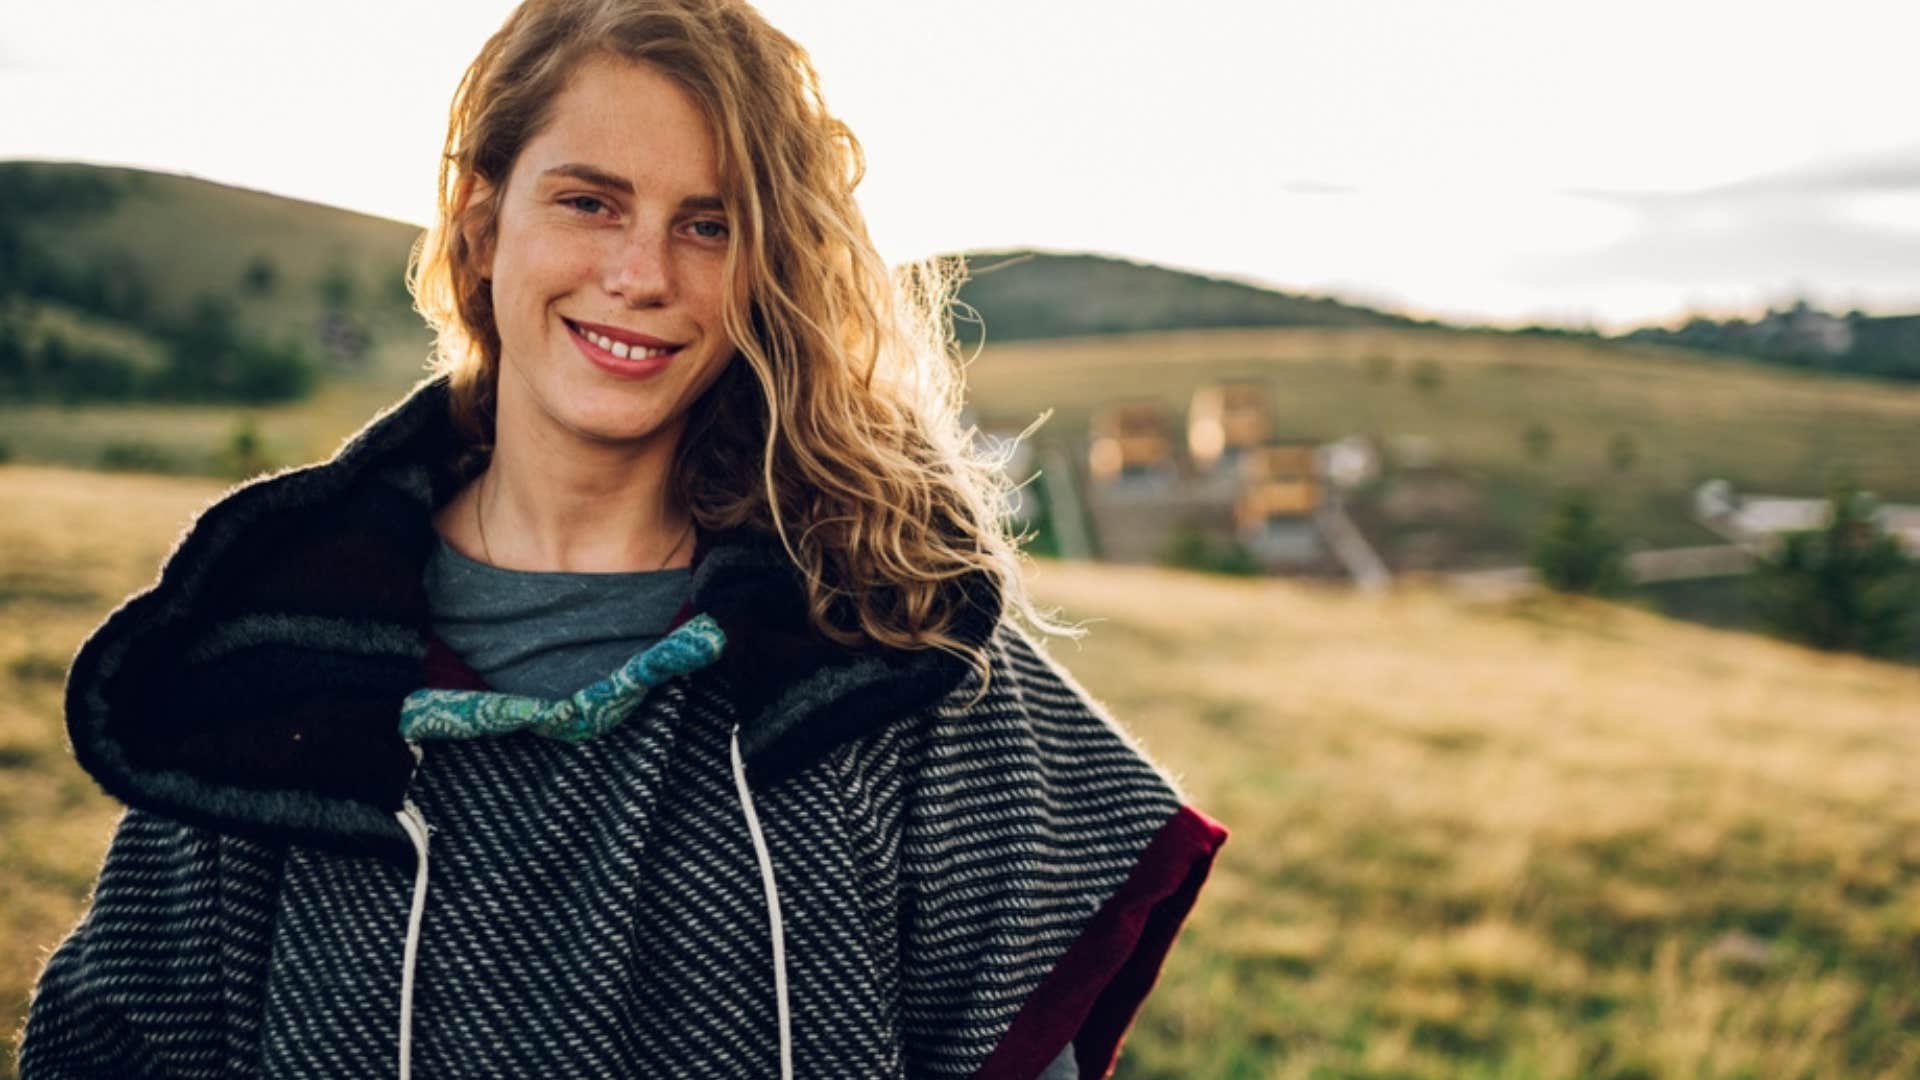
(1226, 420)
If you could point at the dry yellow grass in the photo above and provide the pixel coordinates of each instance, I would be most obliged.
(1548, 838)
(71, 546)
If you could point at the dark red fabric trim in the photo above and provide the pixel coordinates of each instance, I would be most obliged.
(446, 670)
(1091, 996)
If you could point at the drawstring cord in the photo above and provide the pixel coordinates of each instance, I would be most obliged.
(416, 826)
(415, 823)
(773, 908)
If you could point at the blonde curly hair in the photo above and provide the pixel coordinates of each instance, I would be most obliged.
(836, 426)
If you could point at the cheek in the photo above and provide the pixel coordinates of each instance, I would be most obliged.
(704, 275)
(540, 269)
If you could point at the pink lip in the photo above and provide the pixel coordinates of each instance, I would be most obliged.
(628, 368)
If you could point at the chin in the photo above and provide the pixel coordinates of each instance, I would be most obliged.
(611, 425)
(611, 431)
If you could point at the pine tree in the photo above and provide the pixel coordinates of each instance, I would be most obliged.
(1576, 553)
(1845, 587)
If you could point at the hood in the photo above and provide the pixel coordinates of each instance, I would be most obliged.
(255, 686)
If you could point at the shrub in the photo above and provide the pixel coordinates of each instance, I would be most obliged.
(13, 356)
(1538, 440)
(212, 359)
(260, 277)
(1845, 587)
(135, 456)
(266, 372)
(1576, 553)
(1622, 452)
(339, 288)
(1190, 548)
(245, 454)
(1427, 376)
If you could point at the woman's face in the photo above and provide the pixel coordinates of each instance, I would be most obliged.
(607, 264)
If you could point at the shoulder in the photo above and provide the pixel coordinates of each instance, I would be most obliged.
(1031, 696)
(1028, 754)
(1045, 863)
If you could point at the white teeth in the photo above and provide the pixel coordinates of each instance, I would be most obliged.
(620, 348)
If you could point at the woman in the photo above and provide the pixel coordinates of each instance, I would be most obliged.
(641, 695)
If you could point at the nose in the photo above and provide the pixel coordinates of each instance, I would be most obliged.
(639, 269)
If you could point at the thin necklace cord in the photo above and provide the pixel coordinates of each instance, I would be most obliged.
(480, 524)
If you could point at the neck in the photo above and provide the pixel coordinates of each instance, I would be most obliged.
(577, 507)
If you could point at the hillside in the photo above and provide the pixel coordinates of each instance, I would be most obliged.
(1022, 295)
(1470, 399)
(1544, 839)
(172, 240)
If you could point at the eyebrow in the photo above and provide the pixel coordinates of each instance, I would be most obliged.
(605, 179)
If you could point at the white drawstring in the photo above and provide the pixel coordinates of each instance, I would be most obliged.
(773, 909)
(415, 823)
(418, 830)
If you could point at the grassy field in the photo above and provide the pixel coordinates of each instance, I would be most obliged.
(190, 438)
(1690, 416)
(1540, 839)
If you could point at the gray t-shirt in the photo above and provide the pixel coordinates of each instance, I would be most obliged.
(547, 633)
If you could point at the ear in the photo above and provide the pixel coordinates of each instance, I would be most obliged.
(478, 218)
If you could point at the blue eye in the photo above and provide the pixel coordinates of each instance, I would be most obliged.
(574, 201)
(718, 229)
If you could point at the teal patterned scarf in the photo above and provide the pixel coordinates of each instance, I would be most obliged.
(592, 711)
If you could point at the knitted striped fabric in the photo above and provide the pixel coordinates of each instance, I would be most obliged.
(210, 956)
(967, 888)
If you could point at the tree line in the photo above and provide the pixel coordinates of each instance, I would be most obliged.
(1802, 336)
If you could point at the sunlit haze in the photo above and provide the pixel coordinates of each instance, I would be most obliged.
(1609, 162)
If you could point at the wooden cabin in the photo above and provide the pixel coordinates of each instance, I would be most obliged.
(1280, 481)
(1227, 420)
(1130, 440)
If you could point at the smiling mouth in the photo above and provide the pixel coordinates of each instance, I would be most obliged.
(620, 349)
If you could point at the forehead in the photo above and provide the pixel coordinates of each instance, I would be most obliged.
(630, 119)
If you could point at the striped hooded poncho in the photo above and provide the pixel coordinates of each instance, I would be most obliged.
(777, 857)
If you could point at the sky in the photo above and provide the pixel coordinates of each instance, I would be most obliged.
(1571, 161)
